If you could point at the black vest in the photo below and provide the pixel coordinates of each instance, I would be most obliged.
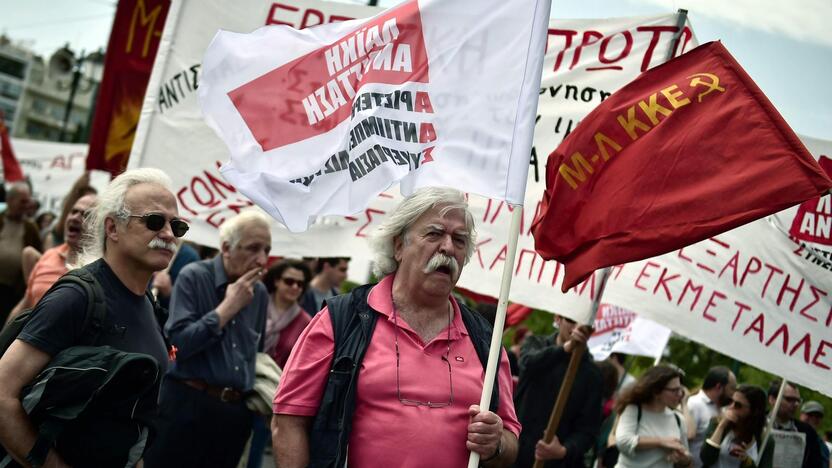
(353, 322)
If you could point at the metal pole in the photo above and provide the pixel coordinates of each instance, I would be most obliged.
(681, 20)
(73, 89)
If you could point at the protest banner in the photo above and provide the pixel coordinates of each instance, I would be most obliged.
(618, 330)
(131, 50)
(321, 122)
(586, 61)
(747, 293)
(53, 168)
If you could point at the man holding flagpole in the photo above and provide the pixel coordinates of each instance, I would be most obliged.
(390, 374)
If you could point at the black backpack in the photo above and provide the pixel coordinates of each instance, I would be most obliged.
(95, 315)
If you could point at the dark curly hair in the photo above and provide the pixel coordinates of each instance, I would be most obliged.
(648, 386)
(755, 422)
(276, 271)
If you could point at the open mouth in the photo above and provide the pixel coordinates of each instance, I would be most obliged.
(444, 269)
(73, 229)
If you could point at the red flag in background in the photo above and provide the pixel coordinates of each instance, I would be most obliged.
(689, 149)
(131, 51)
(11, 168)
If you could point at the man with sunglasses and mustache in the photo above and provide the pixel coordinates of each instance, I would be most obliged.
(409, 397)
(131, 233)
(217, 321)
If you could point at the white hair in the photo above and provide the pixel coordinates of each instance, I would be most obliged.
(16, 189)
(110, 204)
(231, 230)
(383, 239)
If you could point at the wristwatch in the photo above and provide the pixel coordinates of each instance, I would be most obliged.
(497, 453)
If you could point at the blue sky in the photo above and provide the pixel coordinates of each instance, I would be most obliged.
(786, 47)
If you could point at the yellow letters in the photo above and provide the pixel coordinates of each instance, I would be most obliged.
(601, 140)
(652, 107)
(631, 123)
(575, 171)
(146, 20)
(672, 94)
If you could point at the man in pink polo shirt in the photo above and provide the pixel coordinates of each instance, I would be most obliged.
(409, 397)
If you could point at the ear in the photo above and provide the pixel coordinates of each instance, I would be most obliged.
(398, 244)
(111, 229)
(225, 248)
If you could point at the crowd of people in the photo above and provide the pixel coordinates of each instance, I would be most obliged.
(129, 347)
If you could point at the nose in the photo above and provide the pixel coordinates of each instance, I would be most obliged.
(166, 234)
(262, 258)
(447, 245)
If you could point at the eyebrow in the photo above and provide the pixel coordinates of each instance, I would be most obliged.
(439, 227)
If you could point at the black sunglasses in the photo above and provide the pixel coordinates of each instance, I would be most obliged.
(293, 282)
(156, 222)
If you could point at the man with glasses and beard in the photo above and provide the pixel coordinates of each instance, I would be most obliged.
(217, 321)
(132, 234)
(785, 421)
(400, 384)
(717, 390)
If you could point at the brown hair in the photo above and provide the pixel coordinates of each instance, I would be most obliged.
(648, 386)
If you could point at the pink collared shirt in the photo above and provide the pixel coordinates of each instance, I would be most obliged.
(385, 432)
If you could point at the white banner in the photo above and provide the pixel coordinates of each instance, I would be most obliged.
(320, 121)
(586, 61)
(53, 168)
(747, 293)
(618, 330)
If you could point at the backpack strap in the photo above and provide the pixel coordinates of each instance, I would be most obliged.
(96, 302)
(161, 314)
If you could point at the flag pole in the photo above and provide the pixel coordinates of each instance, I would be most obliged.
(772, 417)
(574, 362)
(681, 20)
(494, 353)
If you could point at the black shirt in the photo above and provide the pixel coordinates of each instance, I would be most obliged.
(543, 367)
(58, 319)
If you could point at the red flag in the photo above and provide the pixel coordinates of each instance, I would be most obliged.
(137, 28)
(689, 149)
(11, 168)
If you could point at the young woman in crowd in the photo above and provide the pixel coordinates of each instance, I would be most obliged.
(734, 440)
(649, 433)
(286, 281)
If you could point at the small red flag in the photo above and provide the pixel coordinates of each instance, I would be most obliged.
(11, 168)
(687, 150)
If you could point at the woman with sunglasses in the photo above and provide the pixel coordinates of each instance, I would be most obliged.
(734, 440)
(286, 282)
(649, 433)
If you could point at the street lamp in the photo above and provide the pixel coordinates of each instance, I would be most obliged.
(62, 63)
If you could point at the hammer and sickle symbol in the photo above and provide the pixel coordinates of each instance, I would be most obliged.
(712, 84)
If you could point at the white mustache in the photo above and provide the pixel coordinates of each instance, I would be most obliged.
(157, 243)
(439, 260)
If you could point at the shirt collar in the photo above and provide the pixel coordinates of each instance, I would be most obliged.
(380, 299)
(220, 278)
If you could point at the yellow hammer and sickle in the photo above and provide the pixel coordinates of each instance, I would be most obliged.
(713, 84)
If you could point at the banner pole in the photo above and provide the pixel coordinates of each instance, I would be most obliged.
(681, 20)
(574, 362)
(494, 352)
(772, 417)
